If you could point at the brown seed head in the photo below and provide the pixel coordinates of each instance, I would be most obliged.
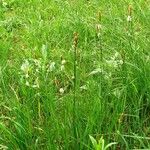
(99, 16)
(130, 9)
(75, 40)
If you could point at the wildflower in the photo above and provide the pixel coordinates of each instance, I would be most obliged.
(37, 62)
(98, 28)
(120, 62)
(107, 76)
(63, 62)
(117, 92)
(27, 75)
(62, 67)
(44, 51)
(72, 77)
(121, 117)
(37, 70)
(35, 86)
(37, 94)
(3, 147)
(27, 83)
(36, 83)
(52, 66)
(84, 87)
(115, 60)
(112, 63)
(4, 3)
(25, 67)
(129, 18)
(97, 70)
(116, 55)
(61, 90)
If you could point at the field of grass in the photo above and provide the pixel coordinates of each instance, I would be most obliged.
(74, 74)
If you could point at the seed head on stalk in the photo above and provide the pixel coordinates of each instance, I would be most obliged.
(75, 43)
(98, 25)
(130, 10)
(75, 40)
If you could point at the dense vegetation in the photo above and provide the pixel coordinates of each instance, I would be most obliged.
(74, 74)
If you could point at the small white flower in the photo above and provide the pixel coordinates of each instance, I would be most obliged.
(120, 62)
(37, 62)
(35, 86)
(4, 3)
(107, 76)
(63, 62)
(25, 67)
(129, 18)
(36, 83)
(52, 66)
(98, 27)
(84, 87)
(27, 83)
(112, 63)
(117, 92)
(62, 67)
(37, 70)
(97, 70)
(27, 75)
(3, 147)
(116, 55)
(61, 90)
(37, 94)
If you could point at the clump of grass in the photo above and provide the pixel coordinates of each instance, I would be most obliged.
(56, 90)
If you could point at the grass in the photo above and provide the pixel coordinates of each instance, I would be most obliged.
(59, 90)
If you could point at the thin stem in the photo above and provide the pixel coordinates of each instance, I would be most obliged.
(99, 45)
(75, 84)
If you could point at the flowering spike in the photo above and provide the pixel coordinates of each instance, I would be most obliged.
(75, 40)
(130, 10)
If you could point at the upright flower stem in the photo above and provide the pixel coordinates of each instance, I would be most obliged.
(99, 45)
(75, 43)
(130, 26)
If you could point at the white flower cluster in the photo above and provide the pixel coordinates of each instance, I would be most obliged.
(4, 3)
(106, 71)
(129, 18)
(115, 61)
(101, 71)
(62, 67)
(32, 70)
(25, 67)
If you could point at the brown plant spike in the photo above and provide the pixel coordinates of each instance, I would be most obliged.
(99, 16)
(130, 9)
(75, 40)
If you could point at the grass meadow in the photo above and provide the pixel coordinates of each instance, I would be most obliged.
(74, 74)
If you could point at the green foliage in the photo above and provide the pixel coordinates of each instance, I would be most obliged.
(100, 145)
(53, 98)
